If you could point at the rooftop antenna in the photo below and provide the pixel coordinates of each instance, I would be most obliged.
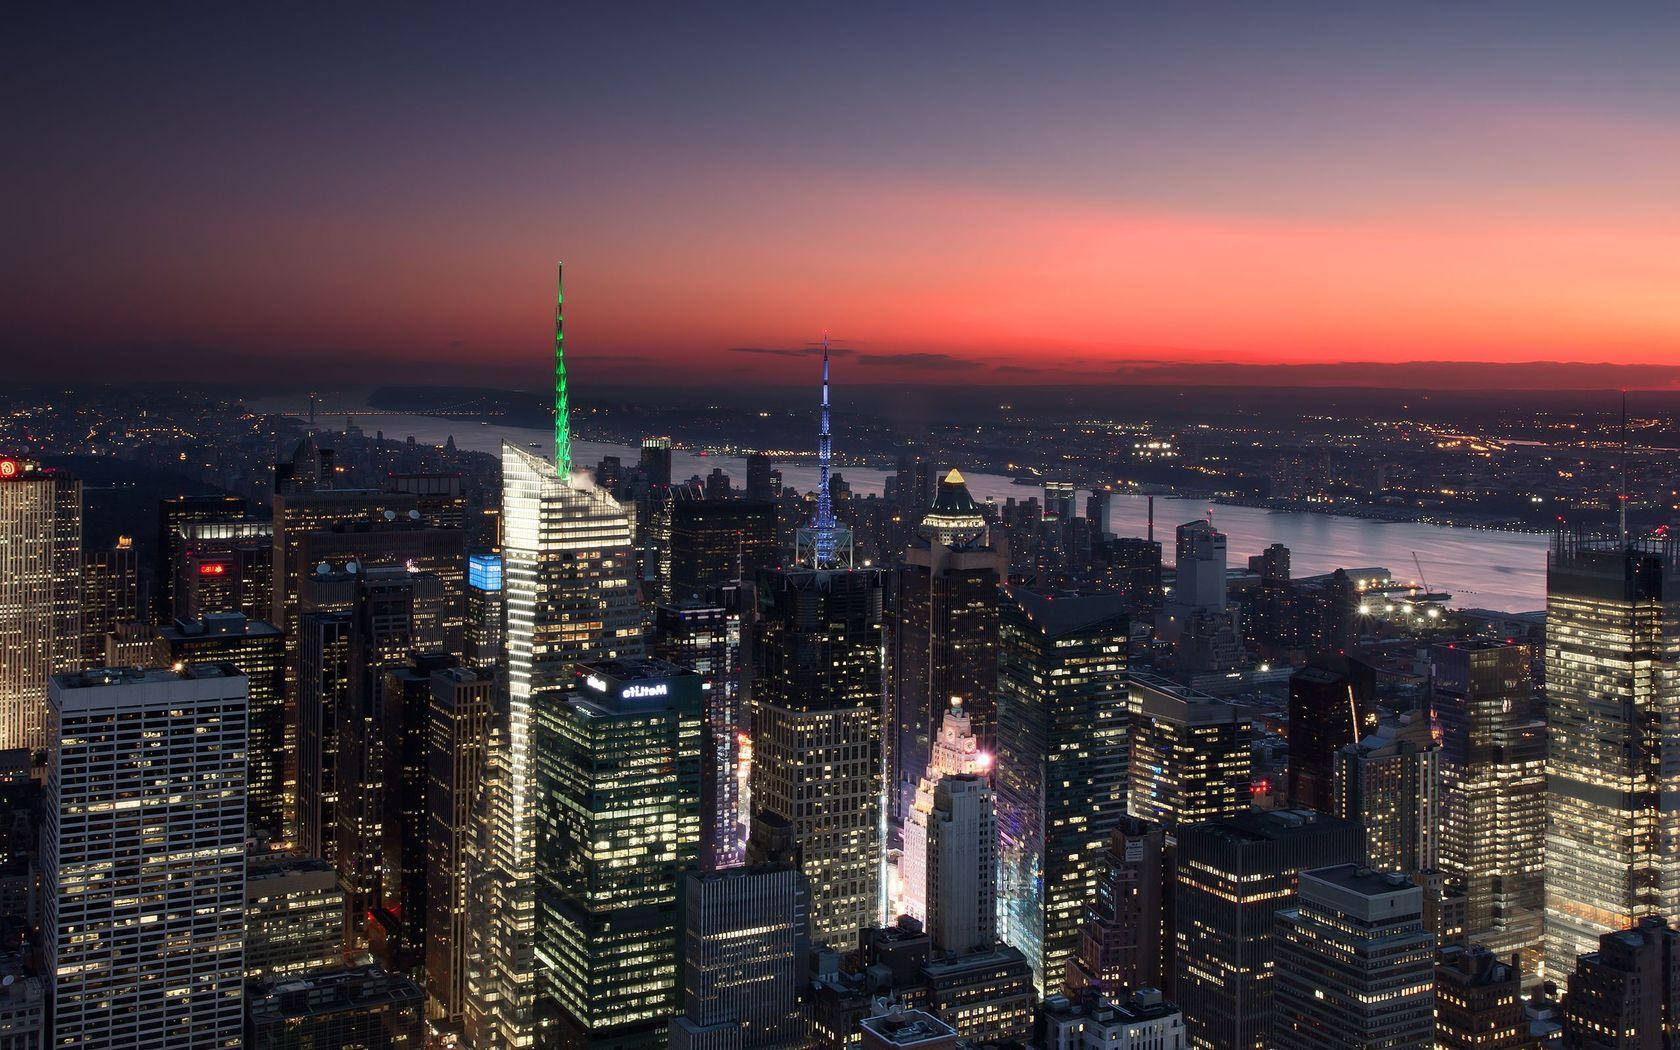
(562, 410)
(819, 545)
(1622, 500)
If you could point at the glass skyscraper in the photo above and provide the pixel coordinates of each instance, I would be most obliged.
(40, 593)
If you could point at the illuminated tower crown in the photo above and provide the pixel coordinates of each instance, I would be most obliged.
(825, 544)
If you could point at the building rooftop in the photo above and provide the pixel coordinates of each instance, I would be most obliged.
(219, 625)
(1065, 614)
(358, 989)
(908, 1028)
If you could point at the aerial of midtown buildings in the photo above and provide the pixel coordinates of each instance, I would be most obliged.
(355, 741)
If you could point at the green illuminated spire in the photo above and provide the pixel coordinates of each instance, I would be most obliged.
(562, 412)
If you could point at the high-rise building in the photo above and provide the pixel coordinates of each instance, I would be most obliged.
(1059, 499)
(175, 513)
(763, 482)
(1097, 507)
(40, 593)
(1355, 965)
(222, 566)
(462, 702)
(363, 1007)
(942, 623)
(714, 541)
(294, 917)
(1131, 567)
(1140, 1020)
(817, 735)
(1192, 755)
(1493, 791)
(258, 651)
(1064, 725)
(705, 635)
(1120, 945)
(955, 752)
(745, 936)
(1612, 844)
(147, 765)
(1200, 584)
(617, 769)
(483, 642)
(441, 500)
(1626, 994)
(1232, 877)
(962, 864)
(110, 595)
(325, 630)
(569, 591)
(1331, 705)
(1390, 785)
(1479, 1001)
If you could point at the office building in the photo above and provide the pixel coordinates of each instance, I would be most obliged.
(1120, 944)
(1612, 844)
(900, 1029)
(985, 993)
(617, 769)
(175, 514)
(23, 1005)
(962, 864)
(40, 593)
(1064, 728)
(817, 761)
(222, 566)
(457, 738)
(1200, 585)
(942, 624)
(1479, 1001)
(1192, 755)
(259, 652)
(110, 595)
(482, 645)
(763, 479)
(147, 765)
(705, 635)
(1390, 784)
(1355, 965)
(404, 544)
(1493, 791)
(745, 938)
(1136, 1020)
(1332, 704)
(1131, 567)
(1626, 994)
(1233, 876)
(294, 917)
(439, 497)
(714, 541)
(363, 1007)
(955, 752)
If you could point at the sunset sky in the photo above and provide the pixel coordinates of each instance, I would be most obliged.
(1016, 193)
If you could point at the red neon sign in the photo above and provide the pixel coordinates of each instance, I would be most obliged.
(9, 468)
(212, 568)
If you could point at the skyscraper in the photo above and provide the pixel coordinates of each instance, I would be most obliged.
(942, 622)
(110, 595)
(1062, 765)
(570, 596)
(955, 752)
(1479, 1001)
(483, 642)
(1200, 584)
(223, 566)
(174, 514)
(1233, 876)
(962, 865)
(294, 917)
(1192, 755)
(147, 765)
(1331, 704)
(714, 541)
(40, 593)
(1120, 944)
(1493, 791)
(1612, 843)
(462, 702)
(617, 770)
(1625, 995)
(1390, 785)
(705, 635)
(1355, 965)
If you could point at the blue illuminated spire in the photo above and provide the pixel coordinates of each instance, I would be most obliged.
(823, 526)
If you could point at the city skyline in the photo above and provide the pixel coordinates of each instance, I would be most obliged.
(1120, 196)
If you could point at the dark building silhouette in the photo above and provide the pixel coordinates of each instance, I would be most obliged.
(1332, 702)
(714, 541)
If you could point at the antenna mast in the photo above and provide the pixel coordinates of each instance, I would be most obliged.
(1622, 500)
(562, 410)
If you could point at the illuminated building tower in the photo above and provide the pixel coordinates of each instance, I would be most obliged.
(110, 595)
(1120, 944)
(1479, 1001)
(1355, 964)
(294, 917)
(617, 771)
(458, 720)
(258, 651)
(714, 541)
(149, 766)
(653, 513)
(704, 635)
(1612, 842)
(745, 938)
(1331, 705)
(1625, 995)
(40, 593)
(1191, 757)
(1232, 878)
(1493, 791)
(1390, 785)
(568, 588)
(1061, 767)
(323, 686)
(942, 623)
(483, 643)
(223, 566)
(1059, 500)
(962, 865)
(1201, 584)
(955, 752)
(817, 735)
(175, 513)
